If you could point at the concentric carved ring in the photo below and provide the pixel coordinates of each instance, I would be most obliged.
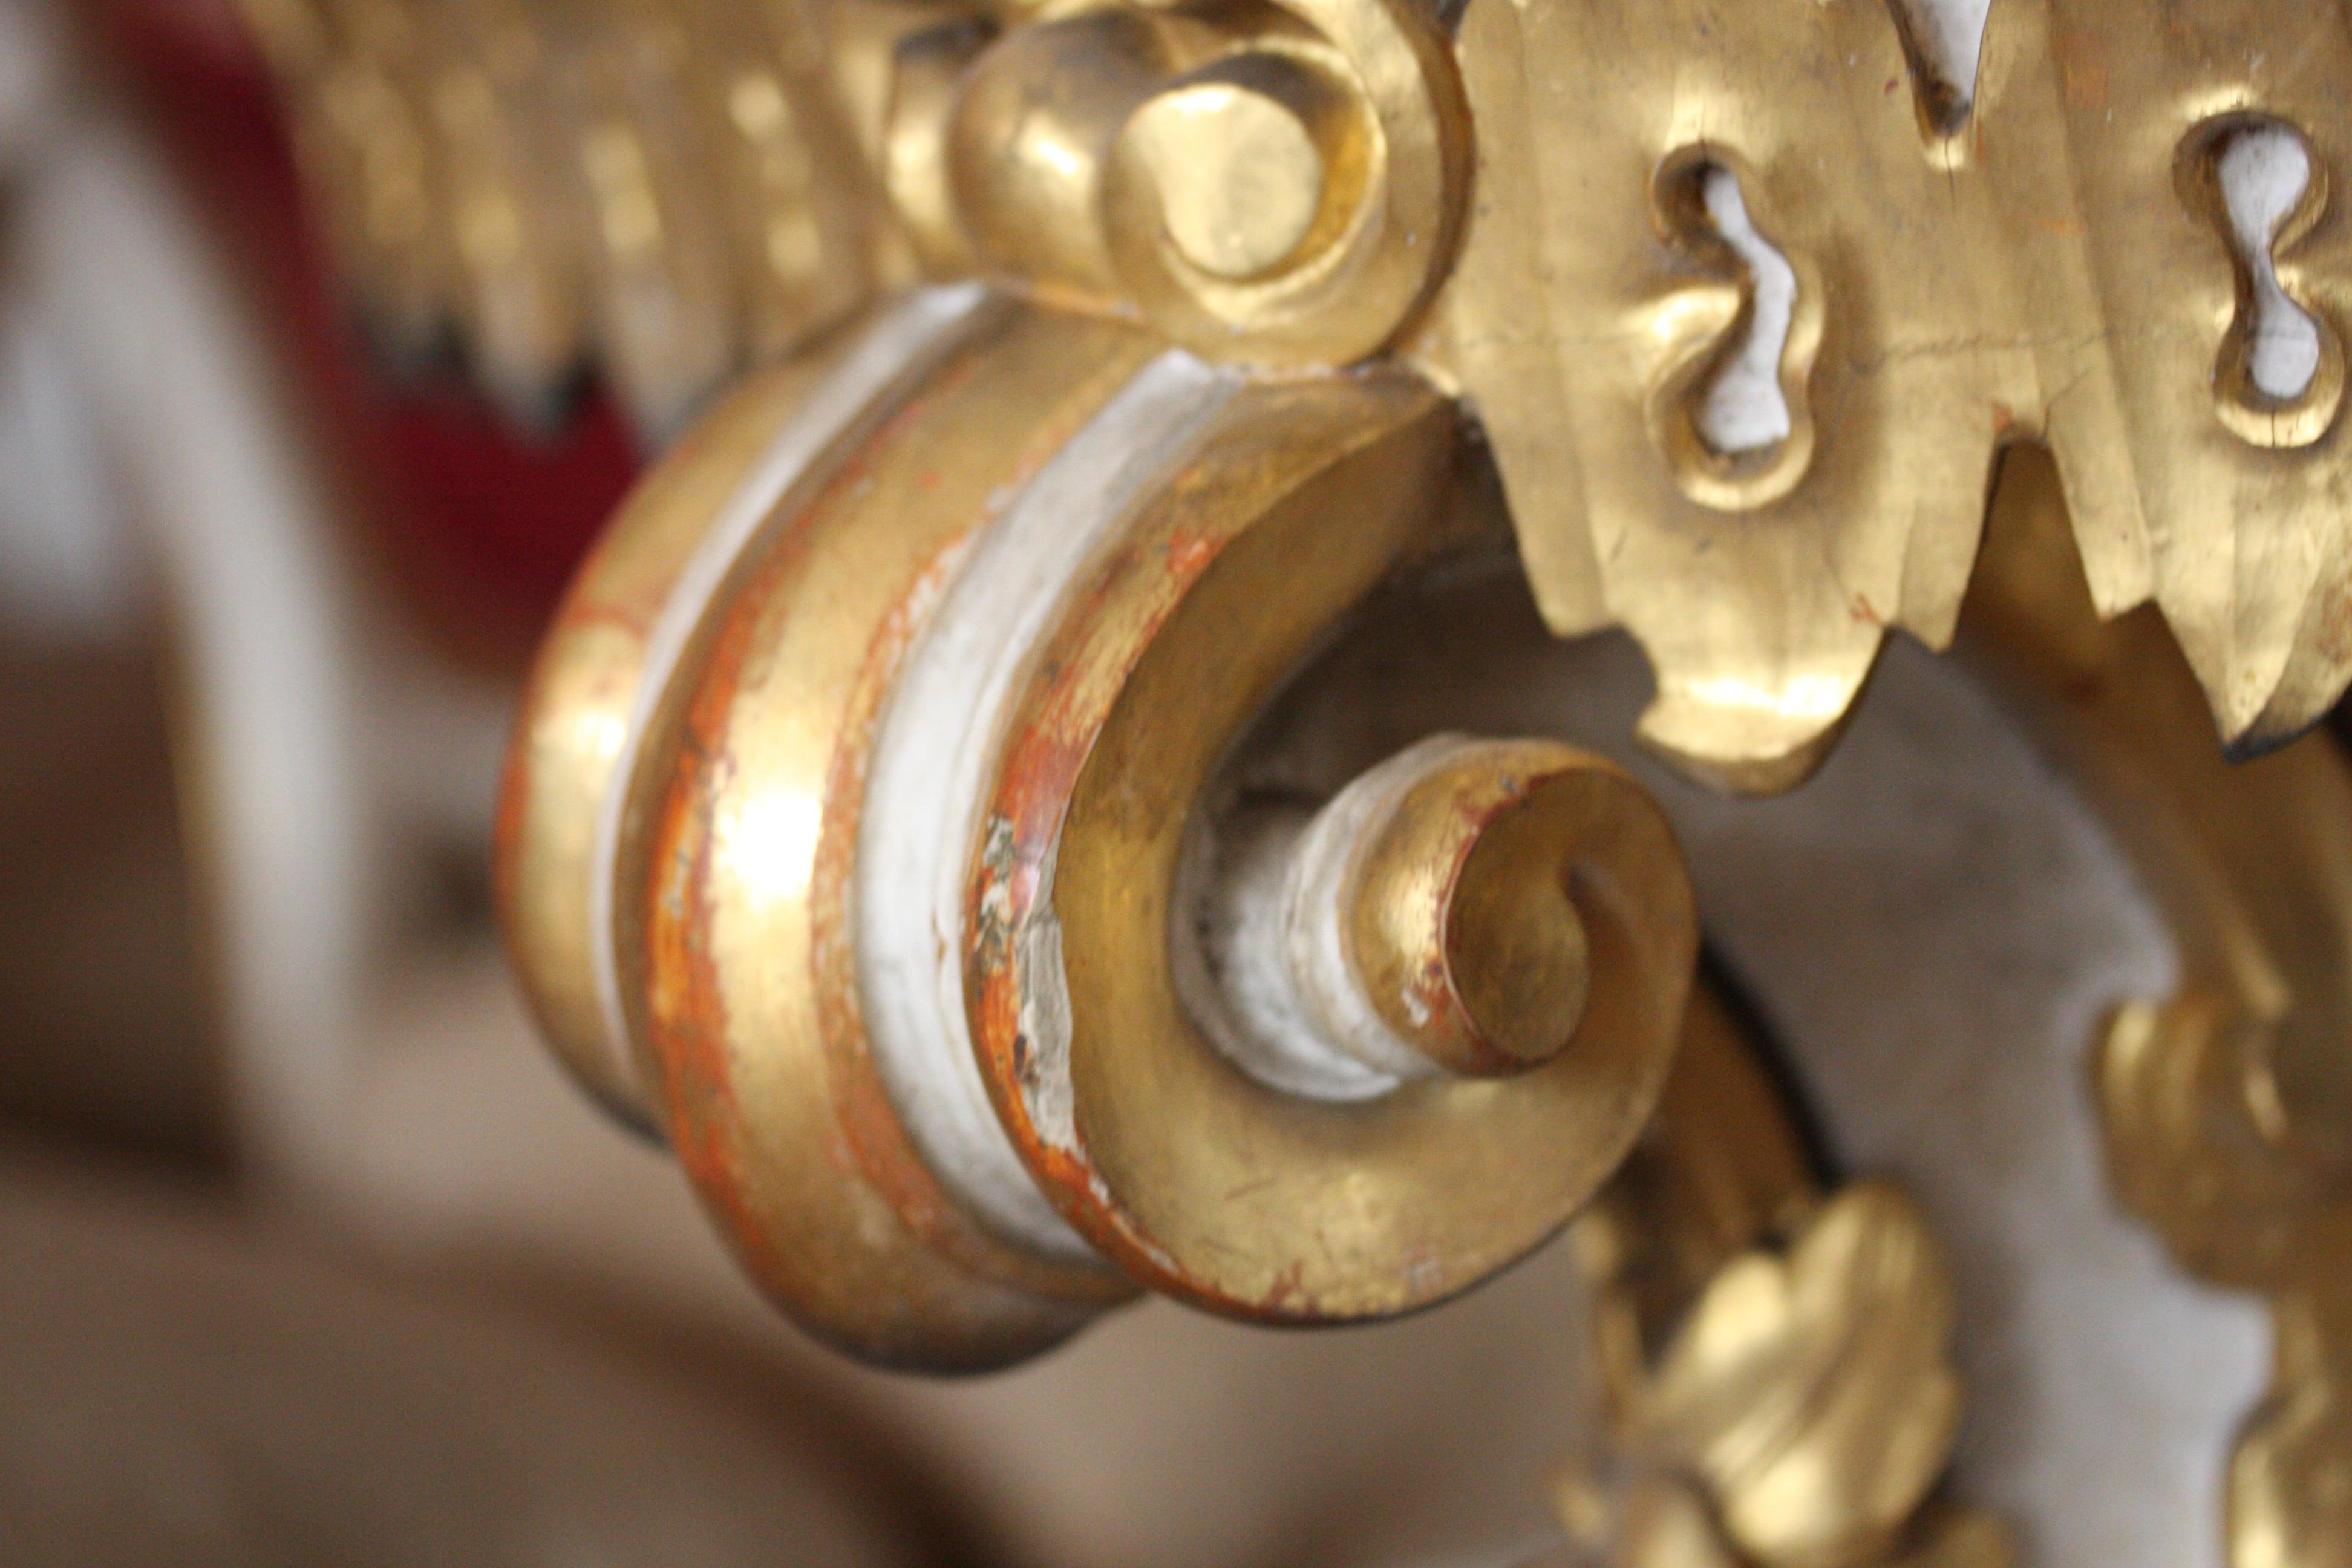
(1191, 1170)
(569, 809)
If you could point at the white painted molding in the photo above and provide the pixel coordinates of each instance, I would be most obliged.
(935, 755)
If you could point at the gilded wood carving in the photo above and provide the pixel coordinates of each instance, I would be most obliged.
(872, 830)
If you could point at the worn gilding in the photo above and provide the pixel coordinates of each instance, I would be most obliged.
(2040, 254)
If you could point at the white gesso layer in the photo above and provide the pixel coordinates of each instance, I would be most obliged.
(2263, 172)
(1260, 948)
(935, 755)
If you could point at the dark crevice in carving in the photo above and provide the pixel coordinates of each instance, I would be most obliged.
(1943, 41)
(1731, 414)
(2278, 377)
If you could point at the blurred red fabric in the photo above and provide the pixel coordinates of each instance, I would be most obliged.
(479, 523)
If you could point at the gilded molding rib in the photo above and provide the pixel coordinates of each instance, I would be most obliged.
(892, 353)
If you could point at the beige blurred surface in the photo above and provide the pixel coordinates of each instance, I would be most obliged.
(185, 1385)
(1160, 1436)
(100, 1009)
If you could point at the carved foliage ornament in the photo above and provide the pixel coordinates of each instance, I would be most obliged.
(2225, 1102)
(2044, 254)
(1773, 1361)
(2106, 224)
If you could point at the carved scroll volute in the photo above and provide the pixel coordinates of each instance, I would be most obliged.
(846, 843)
(1382, 1138)
(1276, 185)
(683, 798)
(604, 662)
